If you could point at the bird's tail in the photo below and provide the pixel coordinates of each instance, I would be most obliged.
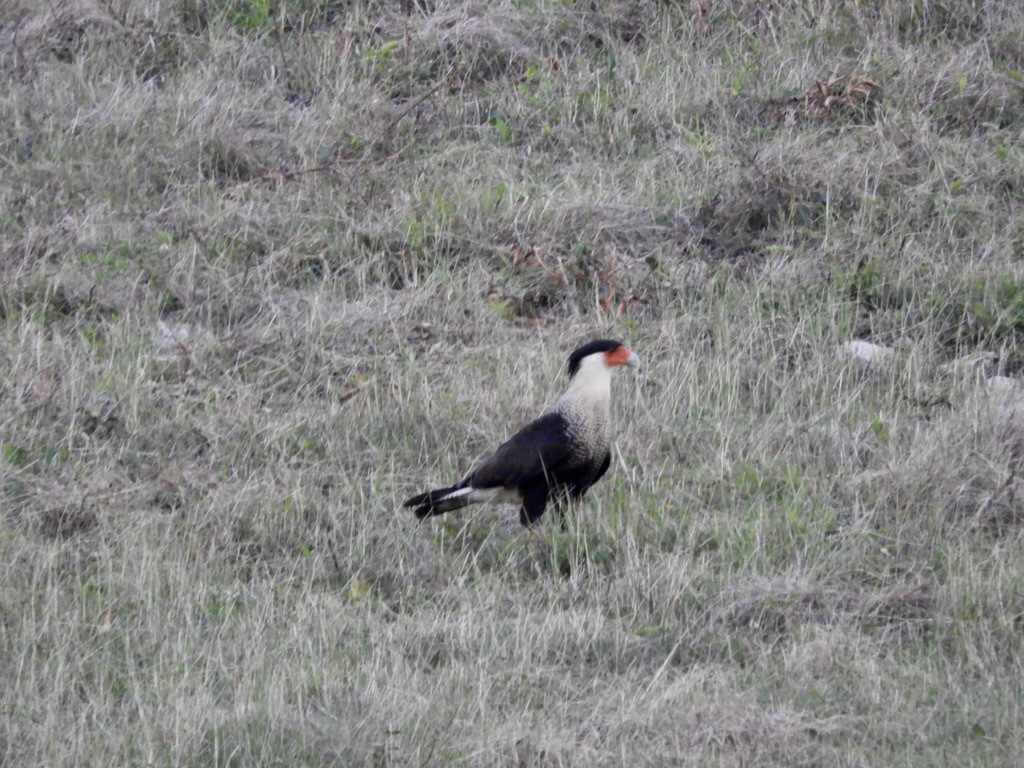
(440, 501)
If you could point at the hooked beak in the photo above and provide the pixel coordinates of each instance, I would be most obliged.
(633, 361)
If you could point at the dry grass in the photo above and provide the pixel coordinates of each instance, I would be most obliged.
(267, 268)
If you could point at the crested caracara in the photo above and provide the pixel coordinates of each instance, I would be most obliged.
(558, 456)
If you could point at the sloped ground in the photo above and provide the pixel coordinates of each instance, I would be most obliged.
(268, 268)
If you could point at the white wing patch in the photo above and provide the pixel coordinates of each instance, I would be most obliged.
(497, 495)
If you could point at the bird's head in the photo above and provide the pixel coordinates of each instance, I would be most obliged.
(602, 352)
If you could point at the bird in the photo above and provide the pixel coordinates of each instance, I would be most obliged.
(556, 457)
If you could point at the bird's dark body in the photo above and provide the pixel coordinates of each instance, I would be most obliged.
(553, 459)
(538, 462)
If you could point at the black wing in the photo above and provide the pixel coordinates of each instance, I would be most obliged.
(534, 452)
(600, 472)
(604, 467)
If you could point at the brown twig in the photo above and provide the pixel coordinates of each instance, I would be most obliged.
(344, 397)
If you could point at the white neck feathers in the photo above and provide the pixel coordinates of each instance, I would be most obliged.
(591, 386)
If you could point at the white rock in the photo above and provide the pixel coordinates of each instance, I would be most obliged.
(1003, 384)
(865, 352)
(979, 360)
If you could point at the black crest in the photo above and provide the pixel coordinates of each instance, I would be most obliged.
(600, 345)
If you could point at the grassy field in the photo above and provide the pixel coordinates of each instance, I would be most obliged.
(267, 268)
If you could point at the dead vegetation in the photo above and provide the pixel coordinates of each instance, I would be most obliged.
(265, 267)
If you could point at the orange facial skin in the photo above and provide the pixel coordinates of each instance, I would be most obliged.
(618, 356)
